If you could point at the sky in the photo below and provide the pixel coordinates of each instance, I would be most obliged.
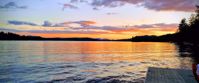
(111, 19)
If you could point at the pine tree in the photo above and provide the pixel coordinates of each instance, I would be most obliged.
(183, 26)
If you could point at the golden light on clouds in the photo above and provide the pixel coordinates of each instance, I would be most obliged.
(116, 34)
(90, 30)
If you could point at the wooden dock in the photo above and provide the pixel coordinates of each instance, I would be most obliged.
(164, 75)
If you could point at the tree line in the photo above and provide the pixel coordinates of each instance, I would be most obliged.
(14, 36)
(188, 31)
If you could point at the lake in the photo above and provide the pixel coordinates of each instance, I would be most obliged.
(86, 62)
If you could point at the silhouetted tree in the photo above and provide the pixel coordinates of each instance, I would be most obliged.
(183, 26)
(194, 19)
(187, 32)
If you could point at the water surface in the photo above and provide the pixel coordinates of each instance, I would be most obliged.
(81, 62)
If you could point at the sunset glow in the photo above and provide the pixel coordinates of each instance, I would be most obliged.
(111, 19)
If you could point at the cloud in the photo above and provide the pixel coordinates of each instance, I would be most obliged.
(157, 25)
(68, 24)
(21, 23)
(50, 24)
(82, 1)
(154, 27)
(85, 23)
(51, 30)
(113, 3)
(67, 5)
(107, 3)
(157, 5)
(170, 5)
(10, 5)
(149, 28)
(15, 22)
(47, 23)
(73, 1)
(111, 13)
(89, 27)
(95, 8)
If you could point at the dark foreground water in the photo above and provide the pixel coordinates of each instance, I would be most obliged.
(85, 62)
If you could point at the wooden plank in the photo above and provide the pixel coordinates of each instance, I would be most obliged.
(164, 75)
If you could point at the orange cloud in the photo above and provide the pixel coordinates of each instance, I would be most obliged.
(88, 22)
(85, 23)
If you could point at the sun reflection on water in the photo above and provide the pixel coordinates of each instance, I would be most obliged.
(86, 61)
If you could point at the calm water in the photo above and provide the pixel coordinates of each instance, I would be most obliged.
(81, 62)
